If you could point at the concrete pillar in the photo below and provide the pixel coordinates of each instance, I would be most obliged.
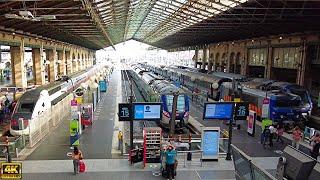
(244, 62)
(68, 62)
(38, 66)
(268, 65)
(19, 76)
(52, 57)
(61, 63)
(204, 58)
(302, 65)
(196, 57)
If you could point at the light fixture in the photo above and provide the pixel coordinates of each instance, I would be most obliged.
(59, 62)
(252, 40)
(13, 33)
(280, 37)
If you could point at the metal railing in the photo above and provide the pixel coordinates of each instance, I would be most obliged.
(16, 144)
(185, 154)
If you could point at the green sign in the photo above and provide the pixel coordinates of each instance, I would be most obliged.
(74, 127)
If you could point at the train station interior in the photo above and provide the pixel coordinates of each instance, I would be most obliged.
(160, 89)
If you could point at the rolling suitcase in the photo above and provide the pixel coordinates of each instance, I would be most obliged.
(82, 166)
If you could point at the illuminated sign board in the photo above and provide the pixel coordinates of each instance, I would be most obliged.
(124, 112)
(218, 110)
(210, 142)
(147, 111)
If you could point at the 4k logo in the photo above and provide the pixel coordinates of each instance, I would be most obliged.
(11, 170)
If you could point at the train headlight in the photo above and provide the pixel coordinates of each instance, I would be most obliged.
(297, 116)
(281, 116)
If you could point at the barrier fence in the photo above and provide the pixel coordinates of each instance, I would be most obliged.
(47, 120)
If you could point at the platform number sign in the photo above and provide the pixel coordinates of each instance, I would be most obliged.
(11, 170)
(124, 112)
(241, 111)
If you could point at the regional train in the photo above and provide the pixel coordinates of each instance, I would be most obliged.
(288, 102)
(36, 101)
(155, 89)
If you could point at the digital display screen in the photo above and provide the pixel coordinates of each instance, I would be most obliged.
(147, 111)
(218, 111)
(210, 143)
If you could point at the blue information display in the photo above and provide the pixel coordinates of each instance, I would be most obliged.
(218, 111)
(210, 143)
(147, 111)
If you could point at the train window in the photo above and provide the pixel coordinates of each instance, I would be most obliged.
(180, 103)
(287, 103)
(26, 107)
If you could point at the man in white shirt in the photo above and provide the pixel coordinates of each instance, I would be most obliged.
(273, 131)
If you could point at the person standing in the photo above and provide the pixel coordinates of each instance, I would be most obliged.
(76, 157)
(170, 155)
(120, 140)
(315, 146)
(272, 134)
(280, 131)
(296, 137)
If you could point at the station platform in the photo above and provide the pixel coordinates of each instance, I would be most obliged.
(115, 169)
(98, 143)
(95, 141)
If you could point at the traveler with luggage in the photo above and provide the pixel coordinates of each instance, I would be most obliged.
(76, 157)
(170, 155)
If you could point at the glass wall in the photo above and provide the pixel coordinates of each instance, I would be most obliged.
(286, 57)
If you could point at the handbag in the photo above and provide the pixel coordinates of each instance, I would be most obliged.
(82, 166)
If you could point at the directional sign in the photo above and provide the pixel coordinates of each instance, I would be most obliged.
(124, 112)
(147, 111)
(265, 108)
(241, 111)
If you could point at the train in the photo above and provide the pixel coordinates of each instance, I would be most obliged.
(288, 102)
(154, 88)
(40, 99)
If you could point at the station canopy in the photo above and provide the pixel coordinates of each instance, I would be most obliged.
(166, 24)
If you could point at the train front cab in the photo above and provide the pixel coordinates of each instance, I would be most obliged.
(182, 115)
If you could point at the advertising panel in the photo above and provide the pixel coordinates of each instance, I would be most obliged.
(147, 111)
(210, 143)
(251, 122)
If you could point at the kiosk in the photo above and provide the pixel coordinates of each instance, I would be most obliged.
(86, 111)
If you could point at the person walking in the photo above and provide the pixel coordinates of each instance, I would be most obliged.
(170, 155)
(280, 131)
(296, 137)
(76, 157)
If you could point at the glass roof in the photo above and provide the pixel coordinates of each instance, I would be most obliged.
(152, 20)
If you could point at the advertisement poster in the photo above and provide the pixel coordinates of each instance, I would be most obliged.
(147, 111)
(251, 122)
(210, 143)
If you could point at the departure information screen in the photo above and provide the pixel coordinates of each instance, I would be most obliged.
(210, 144)
(218, 111)
(147, 111)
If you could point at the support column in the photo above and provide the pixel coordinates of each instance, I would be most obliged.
(68, 62)
(19, 77)
(302, 64)
(52, 58)
(38, 65)
(204, 58)
(196, 57)
(61, 63)
(269, 63)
